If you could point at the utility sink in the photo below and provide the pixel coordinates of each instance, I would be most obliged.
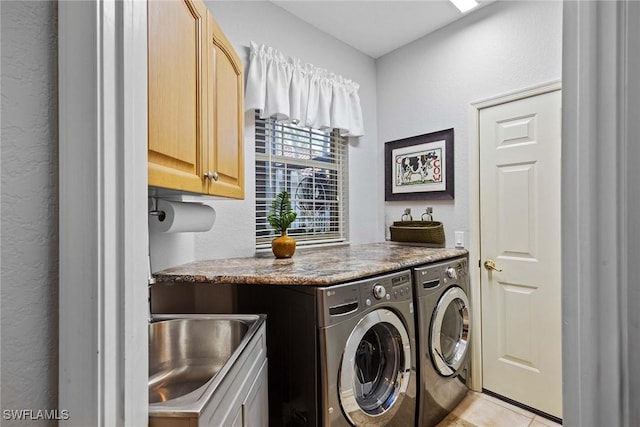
(189, 356)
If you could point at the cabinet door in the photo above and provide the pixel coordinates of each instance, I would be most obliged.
(225, 115)
(237, 420)
(255, 408)
(176, 74)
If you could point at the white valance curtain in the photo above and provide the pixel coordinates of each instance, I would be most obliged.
(302, 94)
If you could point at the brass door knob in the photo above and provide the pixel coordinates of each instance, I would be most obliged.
(491, 265)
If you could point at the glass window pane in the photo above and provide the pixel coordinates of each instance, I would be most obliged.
(309, 164)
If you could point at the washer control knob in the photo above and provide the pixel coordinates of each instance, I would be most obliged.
(452, 273)
(379, 291)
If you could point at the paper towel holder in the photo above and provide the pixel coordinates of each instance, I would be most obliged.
(155, 212)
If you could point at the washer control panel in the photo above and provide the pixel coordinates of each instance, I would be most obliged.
(455, 271)
(432, 277)
(393, 287)
(401, 288)
(338, 302)
(389, 288)
(459, 270)
(379, 291)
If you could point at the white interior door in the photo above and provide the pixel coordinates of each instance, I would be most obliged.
(520, 232)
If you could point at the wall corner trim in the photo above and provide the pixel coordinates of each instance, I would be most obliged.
(599, 131)
(103, 221)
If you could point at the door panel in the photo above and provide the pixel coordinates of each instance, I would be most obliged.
(520, 231)
(175, 68)
(226, 115)
(255, 408)
(517, 210)
(516, 318)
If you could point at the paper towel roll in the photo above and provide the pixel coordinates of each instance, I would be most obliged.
(180, 217)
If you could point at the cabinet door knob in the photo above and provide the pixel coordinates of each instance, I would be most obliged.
(211, 176)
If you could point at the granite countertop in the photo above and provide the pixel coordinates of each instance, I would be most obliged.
(316, 267)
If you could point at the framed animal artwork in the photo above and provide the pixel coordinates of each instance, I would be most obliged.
(420, 167)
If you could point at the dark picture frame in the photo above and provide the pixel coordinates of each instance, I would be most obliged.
(420, 167)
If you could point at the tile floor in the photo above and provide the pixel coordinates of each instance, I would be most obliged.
(482, 410)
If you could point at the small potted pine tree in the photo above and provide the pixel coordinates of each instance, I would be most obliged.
(280, 218)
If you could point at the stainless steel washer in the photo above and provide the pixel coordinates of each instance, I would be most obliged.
(367, 352)
(443, 333)
(340, 355)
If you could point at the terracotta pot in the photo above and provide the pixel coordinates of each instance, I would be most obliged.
(283, 246)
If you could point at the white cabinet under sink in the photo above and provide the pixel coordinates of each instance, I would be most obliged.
(243, 390)
(254, 410)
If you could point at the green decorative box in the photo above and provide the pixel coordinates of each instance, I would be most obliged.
(418, 232)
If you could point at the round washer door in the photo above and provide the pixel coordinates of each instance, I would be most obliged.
(375, 370)
(450, 330)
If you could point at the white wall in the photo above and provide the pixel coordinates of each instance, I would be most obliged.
(429, 84)
(234, 233)
(29, 207)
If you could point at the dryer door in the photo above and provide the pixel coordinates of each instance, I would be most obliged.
(376, 367)
(450, 330)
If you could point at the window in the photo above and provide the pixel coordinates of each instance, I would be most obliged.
(312, 166)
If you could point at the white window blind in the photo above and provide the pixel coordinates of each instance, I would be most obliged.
(312, 166)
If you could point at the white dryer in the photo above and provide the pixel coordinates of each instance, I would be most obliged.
(443, 332)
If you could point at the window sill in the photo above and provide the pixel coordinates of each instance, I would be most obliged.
(261, 251)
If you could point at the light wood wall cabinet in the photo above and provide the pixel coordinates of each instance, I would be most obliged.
(225, 114)
(196, 112)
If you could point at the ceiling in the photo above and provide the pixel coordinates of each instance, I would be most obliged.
(376, 27)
